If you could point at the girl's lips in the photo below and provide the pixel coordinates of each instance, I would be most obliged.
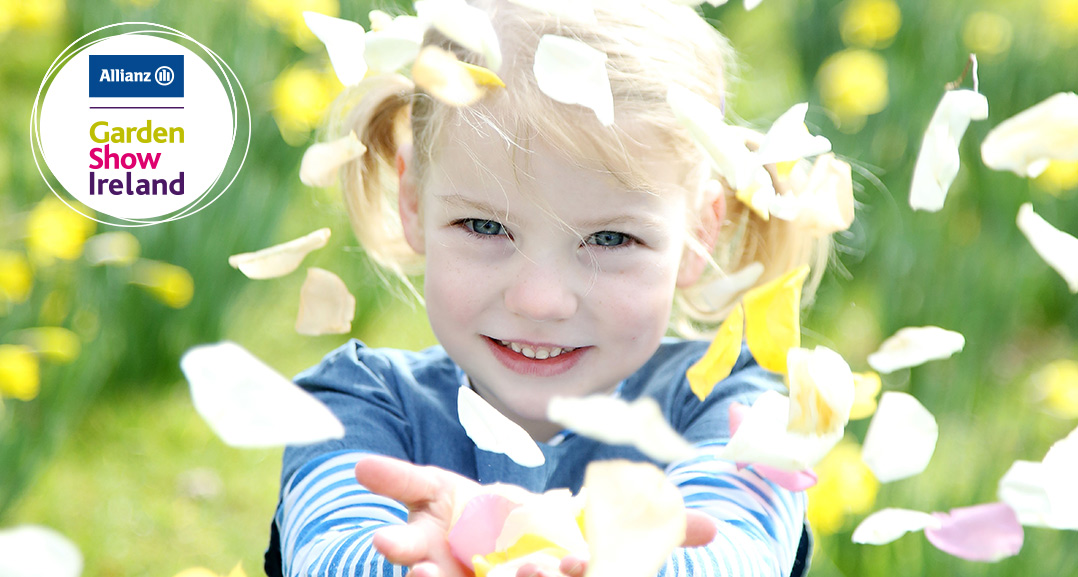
(548, 367)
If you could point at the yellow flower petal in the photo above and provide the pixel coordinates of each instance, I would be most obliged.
(845, 486)
(530, 543)
(16, 277)
(20, 375)
(866, 387)
(439, 72)
(56, 231)
(168, 283)
(56, 344)
(112, 248)
(773, 319)
(483, 76)
(821, 391)
(1060, 176)
(720, 357)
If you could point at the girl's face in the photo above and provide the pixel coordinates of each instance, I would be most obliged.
(545, 279)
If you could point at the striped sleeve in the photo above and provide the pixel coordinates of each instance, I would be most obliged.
(327, 521)
(759, 523)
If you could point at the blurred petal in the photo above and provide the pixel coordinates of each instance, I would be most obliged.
(580, 10)
(250, 405)
(821, 391)
(720, 357)
(55, 231)
(617, 422)
(724, 144)
(825, 202)
(16, 277)
(887, 525)
(900, 439)
(56, 344)
(789, 138)
(938, 162)
(789, 480)
(633, 517)
(392, 43)
(322, 161)
(494, 432)
(325, 305)
(763, 438)
(20, 374)
(749, 4)
(344, 42)
(281, 259)
(773, 319)
(572, 72)
(237, 571)
(476, 530)
(168, 283)
(980, 533)
(35, 551)
(551, 516)
(1026, 142)
(1057, 248)
(1023, 489)
(466, 25)
(913, 346)
(759, 194)
(440, 73)
(1061, 469)
(865, 388)
(541, 559)
(112, 248)
(719, 293)
(846, 487)
(484, 77)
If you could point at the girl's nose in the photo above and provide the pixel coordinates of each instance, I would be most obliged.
(541, 292)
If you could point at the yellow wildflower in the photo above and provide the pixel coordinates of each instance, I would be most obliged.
(1063, 16)
(853, 85)
(20, 375)
(1058, 386)
(866, 387)
(870, 23)
(166, 282)
(56, 344)
(987, 34)
(1059, 177)
(300, 96)
(38, 14)
(287, 17)
(16, 277)
(55, 231)
(845, 487)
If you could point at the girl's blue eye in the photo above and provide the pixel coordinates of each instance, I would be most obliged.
(609, 238)
(484, 227)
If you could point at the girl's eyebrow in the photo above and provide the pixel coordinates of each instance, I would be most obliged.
(461, 201)
(632, 220)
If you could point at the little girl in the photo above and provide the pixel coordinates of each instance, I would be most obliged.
(556, 253)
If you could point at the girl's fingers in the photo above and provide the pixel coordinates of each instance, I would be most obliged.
(401, 544)
(700, 528)
(572, 566)
(426, 569)
(410, 484)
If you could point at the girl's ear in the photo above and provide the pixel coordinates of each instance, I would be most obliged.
(408, 200)
(711, 215)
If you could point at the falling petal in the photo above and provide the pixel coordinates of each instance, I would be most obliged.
(551, 516)
(634, 518)
(281, 259)
(20, 373)
(36, 551)
(720, 357)
(380, 20)
(484, 77)
(579, 10)
(901, 438)
(614, 421)
(759, 195)
(322, 161)
(440, 73)
(1061, 468)
(824, 204)
(938, 162)
(866, 386)
(1027, 142)
(789, 138)
(494, 432)
(111, 248)
(750, 4)
(466, 25)
(773, 319)
(56, 344)
(719, 293)
(168, 283)
(789, 480)
(887, 525)
(763, 438)
(1057, 248)
(392, 42)
(325, 305)
(723, 144)
(913, 346)
(542, 560)
(344, 42)
(821, 391)
(572, 72)
(846, 487)
(988, 532)
(1023, 489)
(476, 531)
(250, 405)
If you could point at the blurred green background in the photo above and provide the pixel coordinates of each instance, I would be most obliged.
(104, 446)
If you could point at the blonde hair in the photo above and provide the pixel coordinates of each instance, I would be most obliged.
(651, 45)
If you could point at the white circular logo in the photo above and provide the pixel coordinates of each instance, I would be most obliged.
(140, 123)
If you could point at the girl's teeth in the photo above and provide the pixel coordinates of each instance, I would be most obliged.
(555, 351)
(527, 352)
(541, 355)
(531, 353)
(516, 348)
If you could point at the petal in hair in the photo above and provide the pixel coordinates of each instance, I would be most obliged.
(572, 72)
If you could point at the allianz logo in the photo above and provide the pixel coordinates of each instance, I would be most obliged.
(163, 75)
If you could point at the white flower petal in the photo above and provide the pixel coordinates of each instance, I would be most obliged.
(280, 259)
(36, 551)
(250, 405)
(724, 144)
(552, 516)
(887, 525)
(572, 72)
(913, 346)
(900, 439)
(634, 518)
(1023, 488)
(1061, 469)
(322, 161)
(344, 42)
(750, 4)
(720, 293)
(388, 53)
(580, 10)
(821, 390)
(764, 438)
(614, 421)
(1057, 248)
(440, 73)
(824, 203)
(938, 162)
(464, 24)
(325, 305)
(111, 248)
(759, 195)
(789, 139)
(1026, 142)
(494, 432)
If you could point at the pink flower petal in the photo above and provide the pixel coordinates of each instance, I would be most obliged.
(479, 525)
(789, 480)
(980, 533)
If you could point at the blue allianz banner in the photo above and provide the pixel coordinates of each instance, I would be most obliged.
(138, 76)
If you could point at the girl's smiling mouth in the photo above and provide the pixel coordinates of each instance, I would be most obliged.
(541, 360)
